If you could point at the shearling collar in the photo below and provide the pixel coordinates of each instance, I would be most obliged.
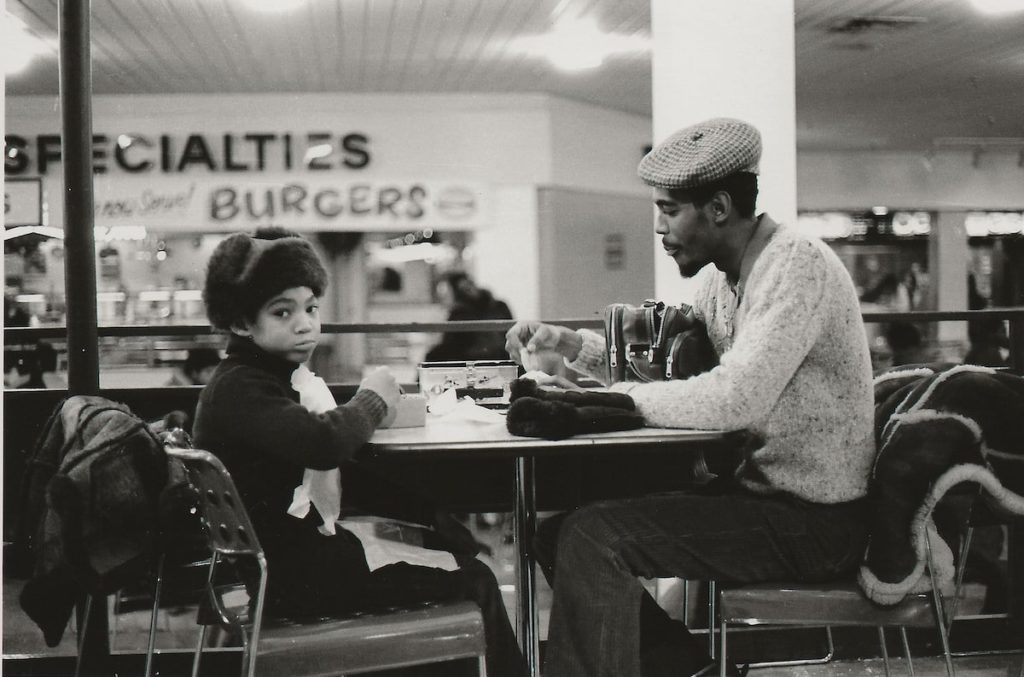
(244, 350)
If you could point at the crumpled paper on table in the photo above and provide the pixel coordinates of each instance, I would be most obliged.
(319, 488)
(449, 408)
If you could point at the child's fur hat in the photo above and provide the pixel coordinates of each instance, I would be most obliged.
(247, 270)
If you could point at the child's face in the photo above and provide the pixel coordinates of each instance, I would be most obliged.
(288, 325)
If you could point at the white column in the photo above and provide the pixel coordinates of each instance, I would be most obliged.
(727, 58)
(948, 257)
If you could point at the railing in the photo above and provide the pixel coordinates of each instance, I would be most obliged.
(1014, 317)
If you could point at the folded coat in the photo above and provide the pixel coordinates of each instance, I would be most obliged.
(938, 426)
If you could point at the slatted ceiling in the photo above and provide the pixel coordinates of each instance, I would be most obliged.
(945, 77)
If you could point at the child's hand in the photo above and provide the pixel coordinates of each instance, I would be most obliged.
(382, 382)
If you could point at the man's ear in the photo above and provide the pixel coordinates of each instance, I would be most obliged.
(720, 206)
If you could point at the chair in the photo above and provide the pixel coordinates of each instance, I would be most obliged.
(833, 604)
(345, 645)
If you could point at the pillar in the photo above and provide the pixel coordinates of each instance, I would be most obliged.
(948, 261)
(727, 58)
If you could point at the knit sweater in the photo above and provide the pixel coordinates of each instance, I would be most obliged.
(794, 369)
(250, 417)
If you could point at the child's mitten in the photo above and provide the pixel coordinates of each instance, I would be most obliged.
(556, 420)
(526, 387)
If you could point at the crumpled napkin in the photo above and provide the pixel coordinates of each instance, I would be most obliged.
(387, 541)
(321, 488)
(448, 406)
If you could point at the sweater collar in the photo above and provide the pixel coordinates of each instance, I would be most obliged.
(766, 228)
(243, 349)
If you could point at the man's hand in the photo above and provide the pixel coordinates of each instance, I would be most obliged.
(526, 338)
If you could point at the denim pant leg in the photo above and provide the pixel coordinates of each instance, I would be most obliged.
(736, 537)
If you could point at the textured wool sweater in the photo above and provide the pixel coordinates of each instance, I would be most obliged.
(251, 418)
(794, 369)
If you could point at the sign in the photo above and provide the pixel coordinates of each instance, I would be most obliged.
(614, 251)
(23, 202)
(299, 203)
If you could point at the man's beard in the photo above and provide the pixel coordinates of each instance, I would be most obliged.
(690, 268)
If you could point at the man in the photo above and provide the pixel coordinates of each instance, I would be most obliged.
(794, 370)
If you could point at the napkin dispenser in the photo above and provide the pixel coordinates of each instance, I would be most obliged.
(485, 381)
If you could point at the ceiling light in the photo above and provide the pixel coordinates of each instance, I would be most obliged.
(18, 46)
(275, 6)
(998, 6)
(578, 44)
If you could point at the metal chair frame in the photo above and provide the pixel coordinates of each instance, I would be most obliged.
(941, 617)
(229, 533)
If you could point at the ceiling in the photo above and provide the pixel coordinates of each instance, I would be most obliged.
(880, 74)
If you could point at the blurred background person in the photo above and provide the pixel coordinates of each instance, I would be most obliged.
(989, 340)
(33, 367)
(14, 314)
(197, 368)
(466, 301)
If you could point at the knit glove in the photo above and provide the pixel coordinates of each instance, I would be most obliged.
(555, 420)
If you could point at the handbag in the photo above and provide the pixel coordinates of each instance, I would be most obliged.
(655, 342)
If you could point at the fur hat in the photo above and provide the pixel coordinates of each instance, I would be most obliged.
(245, 271)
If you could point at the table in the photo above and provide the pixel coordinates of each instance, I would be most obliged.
(461, 438)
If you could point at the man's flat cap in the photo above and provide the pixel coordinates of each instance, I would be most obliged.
(702, 153)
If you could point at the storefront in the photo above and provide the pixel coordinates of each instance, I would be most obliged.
(393, 190)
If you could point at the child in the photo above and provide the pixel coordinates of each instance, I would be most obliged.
(264, 290)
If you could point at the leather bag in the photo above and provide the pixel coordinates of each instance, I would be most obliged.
(655, 342)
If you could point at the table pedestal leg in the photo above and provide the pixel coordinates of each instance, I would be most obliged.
(527, 621)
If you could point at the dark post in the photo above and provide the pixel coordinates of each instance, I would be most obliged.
(80, 266)
(1017, 344)
(79, 240)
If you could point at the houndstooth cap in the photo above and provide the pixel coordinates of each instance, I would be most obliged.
(702, 153)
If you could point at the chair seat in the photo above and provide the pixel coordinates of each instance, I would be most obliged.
(808, 604)
(434, 633)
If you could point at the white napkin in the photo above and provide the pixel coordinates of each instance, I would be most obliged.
(383, 543)
(449, 408)
(321, 488)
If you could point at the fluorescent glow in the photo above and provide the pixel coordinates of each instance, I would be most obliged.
(998, 6)
(423, 251)
(274, 6)
(318, 152)
(578, 44)
(17, 46)
(47, 231)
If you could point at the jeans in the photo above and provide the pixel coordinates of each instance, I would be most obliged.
(604, 624)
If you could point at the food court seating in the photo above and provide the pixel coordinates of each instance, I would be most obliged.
(938, 428)
(351, 644)
(832, 604)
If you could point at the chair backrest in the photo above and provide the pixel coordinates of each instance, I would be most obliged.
(229, 530)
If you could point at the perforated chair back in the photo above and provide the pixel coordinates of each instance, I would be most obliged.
(359, 642)
(229, 533)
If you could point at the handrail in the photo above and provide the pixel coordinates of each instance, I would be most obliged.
(22, 334)
(1014, 315)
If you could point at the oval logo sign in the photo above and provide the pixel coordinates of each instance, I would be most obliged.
(456, 202)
